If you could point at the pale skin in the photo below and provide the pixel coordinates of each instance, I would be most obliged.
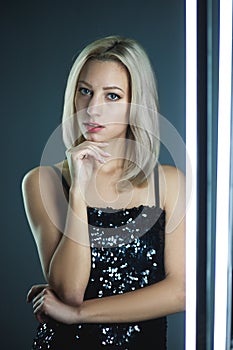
(103, 90)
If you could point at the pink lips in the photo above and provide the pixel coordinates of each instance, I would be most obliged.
(93, 127)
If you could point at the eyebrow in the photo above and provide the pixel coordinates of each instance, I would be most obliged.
(112, 87)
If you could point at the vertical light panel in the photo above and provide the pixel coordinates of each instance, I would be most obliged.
(223, 175)
(191, 171)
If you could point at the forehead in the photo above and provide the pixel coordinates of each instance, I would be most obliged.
(103, 73)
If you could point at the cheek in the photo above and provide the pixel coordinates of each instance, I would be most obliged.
(117, 113)
(124, 115)
(80, 104)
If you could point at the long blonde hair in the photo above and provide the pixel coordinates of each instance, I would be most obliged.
(143, 130)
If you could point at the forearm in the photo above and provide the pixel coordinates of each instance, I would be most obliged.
(70, 265)
(160, 299)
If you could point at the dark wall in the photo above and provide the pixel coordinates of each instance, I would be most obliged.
(39, 40)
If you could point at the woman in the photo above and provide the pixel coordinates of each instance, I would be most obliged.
(112, 252)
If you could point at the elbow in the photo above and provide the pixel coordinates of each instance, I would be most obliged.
(68, 291)
(177, 295)
(181, 300)
(71, 297)
(68, 294)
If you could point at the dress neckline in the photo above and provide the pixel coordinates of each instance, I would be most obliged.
(110, 209)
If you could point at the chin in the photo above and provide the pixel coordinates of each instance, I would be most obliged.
(95, 138)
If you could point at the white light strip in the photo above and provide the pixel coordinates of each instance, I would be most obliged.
(223, 174)
(191, 178)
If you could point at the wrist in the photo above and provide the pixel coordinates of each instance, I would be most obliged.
(82, 313)
(77, 199)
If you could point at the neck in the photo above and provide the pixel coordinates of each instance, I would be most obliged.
(114, 164)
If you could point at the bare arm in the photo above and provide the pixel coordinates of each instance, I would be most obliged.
(65, 262)
(60, 229)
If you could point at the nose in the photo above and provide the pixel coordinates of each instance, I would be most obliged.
(94, 107)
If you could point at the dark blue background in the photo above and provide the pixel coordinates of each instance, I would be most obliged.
(39, 40)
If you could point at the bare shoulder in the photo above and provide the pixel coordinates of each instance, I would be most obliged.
(171, 174)
(44, 199)
(38, 176)
(172, 183)
(32, 178)
(34, 174)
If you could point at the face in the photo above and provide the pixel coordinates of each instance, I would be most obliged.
(102, 99)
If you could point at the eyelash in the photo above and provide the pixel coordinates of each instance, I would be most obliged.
(87, 92)
(84, 91)
(114, 99)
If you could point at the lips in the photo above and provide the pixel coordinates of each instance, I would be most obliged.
(93, 127)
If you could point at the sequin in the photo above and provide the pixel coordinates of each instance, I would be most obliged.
(127, 253)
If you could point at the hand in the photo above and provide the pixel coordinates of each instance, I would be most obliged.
(34, 290)
(81, 161)
(32, 293)
(47, 305)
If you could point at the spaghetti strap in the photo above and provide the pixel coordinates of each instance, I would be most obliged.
(156, 176)
(64, 182)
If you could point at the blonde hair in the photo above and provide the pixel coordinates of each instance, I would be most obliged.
(143, 130)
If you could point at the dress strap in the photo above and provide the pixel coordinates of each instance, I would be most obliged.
(156, 176)
(64, 182)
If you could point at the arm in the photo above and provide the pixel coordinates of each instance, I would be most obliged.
(60, 229)
(65, 262)
(167, 296)
(157, 300)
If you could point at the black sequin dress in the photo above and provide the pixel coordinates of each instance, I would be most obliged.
(127, 252)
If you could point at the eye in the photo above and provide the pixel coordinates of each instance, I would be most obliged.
(113, 97)
(84, 91)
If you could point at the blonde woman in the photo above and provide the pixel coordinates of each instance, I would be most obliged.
(108, 221)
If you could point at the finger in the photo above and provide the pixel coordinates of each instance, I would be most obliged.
(98, 157)
(84, 150)
(34, 290)
(90, 152)
(40, 309)
(31, 293)
(40, 305)
(100, 151)
(42, 294)
(86, 144)
(38, 301)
